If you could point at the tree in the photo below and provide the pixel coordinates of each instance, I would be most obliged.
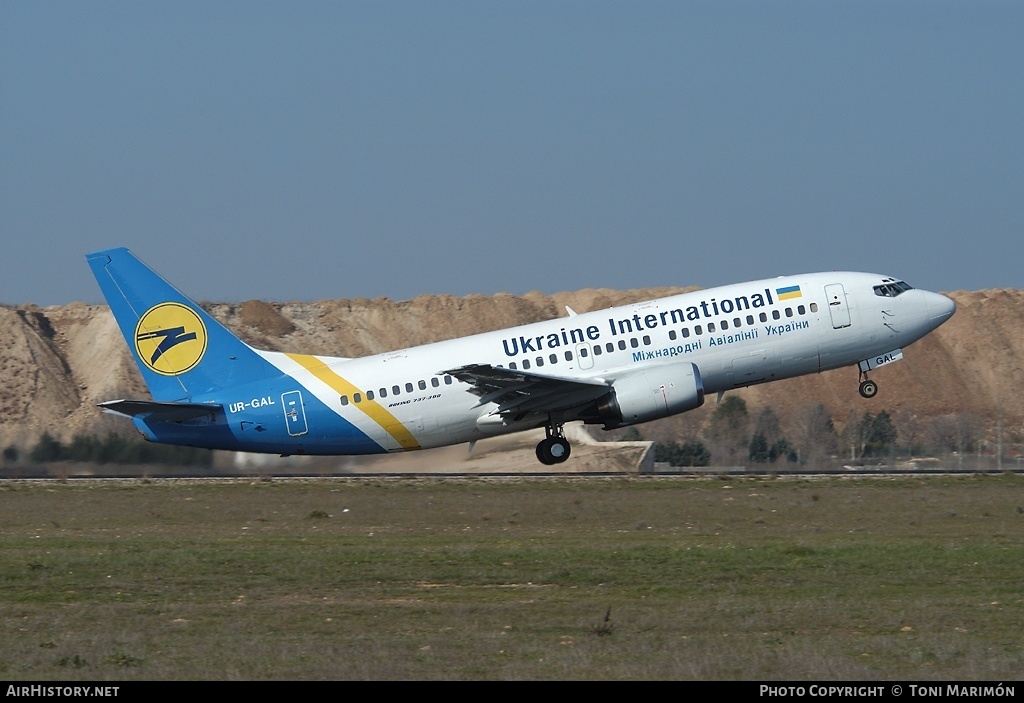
(47, 449)
(815, 434)
(728, 429)
(768, 443)
(782, 449)
(877, 435)
(759, 453)
(853, 436)
(115, 449)
(910, 429)
(959, 434)
(768, 425)
(692, 453)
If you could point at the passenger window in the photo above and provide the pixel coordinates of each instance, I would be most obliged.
(357, 398)
(609, 347)
(553, 358)
(686, 332)
(395, 390)
(737, 322)
(672, 335)
(647, 340)
(344, 400)
(526, 364)
(422, 385)
(633, 342)
(513, 366)
(369, 395)
(725, 325)
(698, 330)
(408, 388)
(447, 380)
(568, 354)
(775, 315)
(763, 317)
(583, 353)
(383, 392)
(750, 319)
(814, 307)
(539, 361)
(434, 382)
(801, 310)
(597, 350)
(789, 312)
(622, 345)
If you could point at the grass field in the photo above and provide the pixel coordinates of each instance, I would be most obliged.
(586, 578)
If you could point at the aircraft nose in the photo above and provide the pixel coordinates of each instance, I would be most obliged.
(940, 308)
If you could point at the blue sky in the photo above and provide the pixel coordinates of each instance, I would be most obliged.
(320, 150)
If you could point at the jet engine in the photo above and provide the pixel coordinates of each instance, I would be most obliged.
(650, 394)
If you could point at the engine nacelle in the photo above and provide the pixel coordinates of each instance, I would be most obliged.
(652, 393)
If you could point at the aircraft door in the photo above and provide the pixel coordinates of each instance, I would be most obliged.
(837, 307)
(584, 356)
(294, 413)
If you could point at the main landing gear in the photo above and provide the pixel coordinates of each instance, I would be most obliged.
(554, 448)
(868, 388)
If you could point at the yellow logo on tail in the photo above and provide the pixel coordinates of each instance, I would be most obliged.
(170, 339)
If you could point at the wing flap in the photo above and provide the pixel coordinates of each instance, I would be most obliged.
(517, 392)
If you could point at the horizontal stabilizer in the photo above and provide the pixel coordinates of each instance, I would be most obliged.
(160, 412)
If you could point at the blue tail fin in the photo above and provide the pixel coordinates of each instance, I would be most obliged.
(183, 353)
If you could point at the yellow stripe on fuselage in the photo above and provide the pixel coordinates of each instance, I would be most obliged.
(374, 410)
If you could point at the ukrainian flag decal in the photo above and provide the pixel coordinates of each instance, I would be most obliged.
(789, 293)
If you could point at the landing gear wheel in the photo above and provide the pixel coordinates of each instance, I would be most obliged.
(868, 389)
(553, 450)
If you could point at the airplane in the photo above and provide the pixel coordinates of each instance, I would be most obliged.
(614, 367)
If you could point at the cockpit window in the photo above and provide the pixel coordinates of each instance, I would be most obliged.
(892, 289)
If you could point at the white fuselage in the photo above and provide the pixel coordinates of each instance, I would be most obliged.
(736, 335)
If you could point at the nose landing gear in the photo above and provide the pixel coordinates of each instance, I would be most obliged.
(868, 388)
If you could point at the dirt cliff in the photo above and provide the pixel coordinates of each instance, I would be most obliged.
(57, 362)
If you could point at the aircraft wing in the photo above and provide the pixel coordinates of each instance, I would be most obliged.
(521, 392)
(160, 412)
